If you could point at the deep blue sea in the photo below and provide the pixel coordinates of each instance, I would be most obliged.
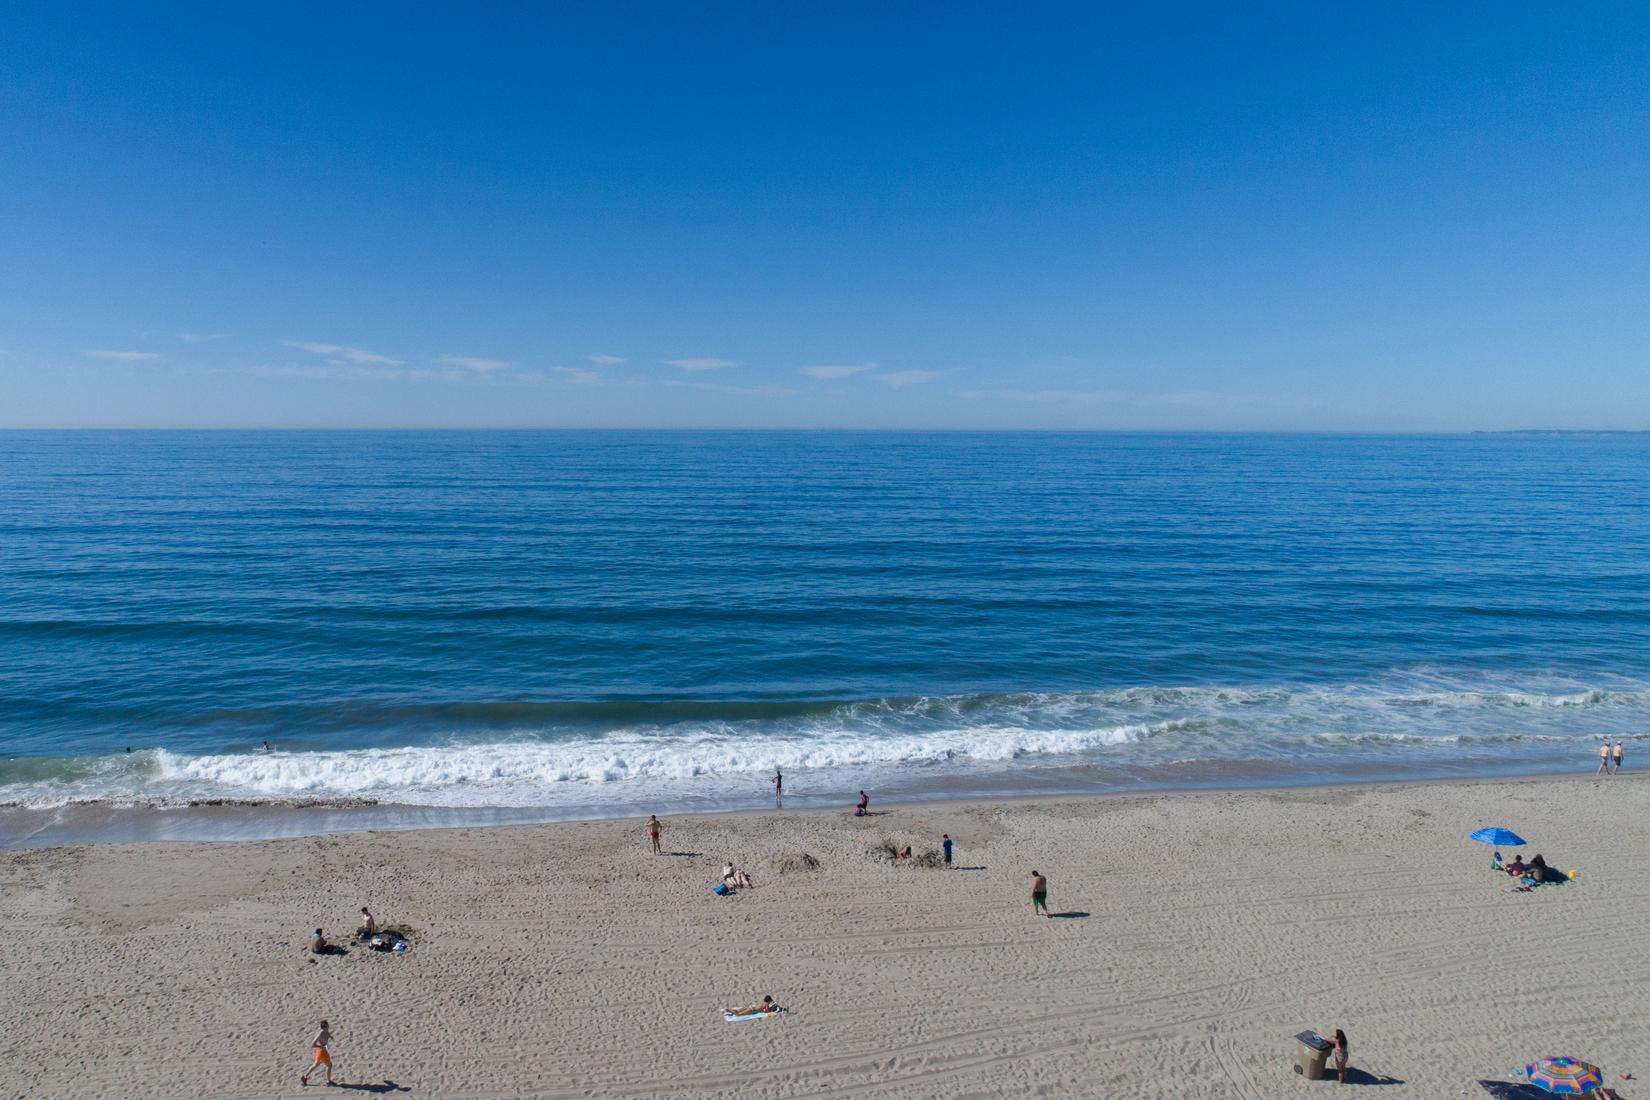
(580, 623)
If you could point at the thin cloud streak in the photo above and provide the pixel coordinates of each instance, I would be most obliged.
(577, 376)
(472, 363)
(836, 370)
(334, 370)
(899, 379)
(199, 337)
(343, 353)
(1045, 397)
(125, 356)
(742, 391)
(692, 365)
(605, 360)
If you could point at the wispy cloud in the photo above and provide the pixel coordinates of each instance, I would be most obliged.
(199, 337)
(472, 363)
(605, 360)
(1213, 399)
(578, 376)
(333, 369)
(342, 354)
(744, 391)
(701, 364)
(1200, 399)
(1046, 397)
(124, 356)
(837, 370)
(899, 379)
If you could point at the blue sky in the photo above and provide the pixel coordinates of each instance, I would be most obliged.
(828, 215)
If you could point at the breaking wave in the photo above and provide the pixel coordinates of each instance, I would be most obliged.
(549, 753)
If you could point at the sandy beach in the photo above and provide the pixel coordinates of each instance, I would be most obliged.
(1196, 934)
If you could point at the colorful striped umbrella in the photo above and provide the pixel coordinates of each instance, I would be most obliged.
(1565, 1076)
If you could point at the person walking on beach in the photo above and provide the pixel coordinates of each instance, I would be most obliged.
(864, 806)
(1039, 893)
(945, 844)
(653, 833)
(318, 1046)
(1603, 759)
(1618, 752)
(778, 785)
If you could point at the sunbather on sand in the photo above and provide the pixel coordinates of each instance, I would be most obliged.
(368, 927)
(764, 1005)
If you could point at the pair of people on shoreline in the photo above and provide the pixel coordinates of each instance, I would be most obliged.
(1608, 755)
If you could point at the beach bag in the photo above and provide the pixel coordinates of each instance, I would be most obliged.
(722, 888)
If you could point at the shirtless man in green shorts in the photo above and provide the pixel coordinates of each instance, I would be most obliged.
(1039, 893)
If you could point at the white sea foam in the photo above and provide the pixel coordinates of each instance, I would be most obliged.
(462, 773)
(696, 757)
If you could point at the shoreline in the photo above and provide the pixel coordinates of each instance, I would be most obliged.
(1198, 932)
(247, 821)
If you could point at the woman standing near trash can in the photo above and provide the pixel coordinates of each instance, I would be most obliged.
(1339, 1041)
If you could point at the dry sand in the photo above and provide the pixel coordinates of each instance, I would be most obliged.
(1199, 933)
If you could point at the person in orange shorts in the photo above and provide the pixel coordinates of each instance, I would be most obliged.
(322, 1058)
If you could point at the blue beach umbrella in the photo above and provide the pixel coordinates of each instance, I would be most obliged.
(1501, 838)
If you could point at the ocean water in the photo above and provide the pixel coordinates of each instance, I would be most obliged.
(578, 623)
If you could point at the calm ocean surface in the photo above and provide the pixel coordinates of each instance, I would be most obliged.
(579, 623)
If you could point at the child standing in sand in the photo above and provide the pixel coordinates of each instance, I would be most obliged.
(653, 833)
(1039, 893)
(945, 843)
(318, 1045)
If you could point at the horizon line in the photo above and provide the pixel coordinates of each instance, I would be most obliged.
(828, 428)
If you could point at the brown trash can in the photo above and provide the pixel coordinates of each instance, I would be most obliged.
(1314, 1055)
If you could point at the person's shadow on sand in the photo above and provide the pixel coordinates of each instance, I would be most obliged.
(981, 867)
(1073, 914)
(387, 1086)
(686, 855)
(1356, 1076)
